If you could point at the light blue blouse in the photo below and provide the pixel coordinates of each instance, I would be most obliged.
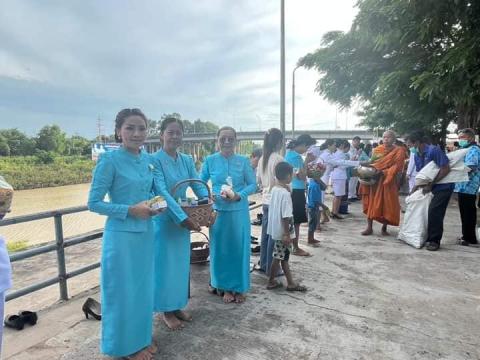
(296, 160)
(218, 167)
(170, 171)
(127, 179)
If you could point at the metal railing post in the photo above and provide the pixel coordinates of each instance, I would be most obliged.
(62, 269)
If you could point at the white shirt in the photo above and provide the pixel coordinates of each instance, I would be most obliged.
(338, 164)
(280, 208)
(267, 178)
(354, 153)
(5, 268)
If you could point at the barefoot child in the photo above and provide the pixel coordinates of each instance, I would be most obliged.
(280, 227)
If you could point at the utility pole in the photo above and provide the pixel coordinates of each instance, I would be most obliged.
(99, 129)
(282, 72)
(293, 101)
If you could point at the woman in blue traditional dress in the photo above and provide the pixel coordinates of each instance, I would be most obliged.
(172, 242)
(126, 175)
(230, 235)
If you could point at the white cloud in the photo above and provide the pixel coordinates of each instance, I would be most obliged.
(217, 60)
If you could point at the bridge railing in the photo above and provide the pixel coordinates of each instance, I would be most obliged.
(59, 247)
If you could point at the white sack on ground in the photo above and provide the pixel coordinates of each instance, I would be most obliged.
(458, 170)
(414, 227)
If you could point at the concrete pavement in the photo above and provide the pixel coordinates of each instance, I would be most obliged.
(369, 298)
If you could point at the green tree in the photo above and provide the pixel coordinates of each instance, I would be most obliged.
(4, 148)
(19, 143)
(78, 145)
(51, 138)
(410, 64)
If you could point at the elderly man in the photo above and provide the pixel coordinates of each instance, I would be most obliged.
(467, 191)
(424, 153)
(380, 201)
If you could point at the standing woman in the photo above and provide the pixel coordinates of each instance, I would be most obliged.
(272, 144)
(172, 242)
(230, 235)
(294, 157)
(126, 175)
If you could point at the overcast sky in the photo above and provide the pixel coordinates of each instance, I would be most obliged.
(70, 62)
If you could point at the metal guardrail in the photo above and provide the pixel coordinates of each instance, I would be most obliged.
(59, 246)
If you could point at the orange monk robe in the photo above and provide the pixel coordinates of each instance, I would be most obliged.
(381, 201)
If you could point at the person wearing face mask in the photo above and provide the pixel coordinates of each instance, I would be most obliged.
(467, 191)
(419, 145)
(233, 180)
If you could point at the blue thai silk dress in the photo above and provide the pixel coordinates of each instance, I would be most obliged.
(230, 235)
(172, 242)
(127, 251)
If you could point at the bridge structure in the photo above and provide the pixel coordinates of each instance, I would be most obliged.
(193, 141)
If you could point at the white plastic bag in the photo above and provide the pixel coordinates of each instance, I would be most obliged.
(414, 227)
(458, 170)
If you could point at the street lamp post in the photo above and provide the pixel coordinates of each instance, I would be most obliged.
(293, 101)
(282, 71)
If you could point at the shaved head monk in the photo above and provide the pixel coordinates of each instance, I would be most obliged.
(380, 201)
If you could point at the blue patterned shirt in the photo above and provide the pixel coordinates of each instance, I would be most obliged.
(472, 160)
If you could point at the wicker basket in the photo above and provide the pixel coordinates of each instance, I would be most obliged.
(198, 256)
(201, 214)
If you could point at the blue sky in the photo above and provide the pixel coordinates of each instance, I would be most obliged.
(70, 62)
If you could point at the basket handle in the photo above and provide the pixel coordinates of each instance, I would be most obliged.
(190, 181)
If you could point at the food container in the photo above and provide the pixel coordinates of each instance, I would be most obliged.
(157, 203)
(227, 191)
(201, 213)
(6, 196)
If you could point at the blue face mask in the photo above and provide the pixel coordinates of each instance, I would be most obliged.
(413, 150)
(463, 143)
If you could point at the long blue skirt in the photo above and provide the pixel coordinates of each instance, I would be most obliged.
(172, 265)
(126, 291)
(230, 251)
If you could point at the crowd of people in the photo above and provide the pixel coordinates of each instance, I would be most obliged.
(146, 252)
(145, 261)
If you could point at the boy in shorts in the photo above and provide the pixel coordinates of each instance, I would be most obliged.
(280, 227)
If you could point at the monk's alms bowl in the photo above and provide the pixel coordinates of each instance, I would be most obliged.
(366, 172)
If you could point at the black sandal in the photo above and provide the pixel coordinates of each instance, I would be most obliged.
(92, 307)
(14, 322)
(29, 317)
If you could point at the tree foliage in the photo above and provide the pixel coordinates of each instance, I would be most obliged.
(410, 64)
(52, 138)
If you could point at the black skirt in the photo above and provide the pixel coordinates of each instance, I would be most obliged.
(299, 206)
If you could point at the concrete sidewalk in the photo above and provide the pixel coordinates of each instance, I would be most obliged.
(369, 298)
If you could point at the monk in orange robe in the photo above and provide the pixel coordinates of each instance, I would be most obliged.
(380, 201)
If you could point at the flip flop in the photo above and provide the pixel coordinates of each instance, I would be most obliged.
(297, 287)
(275, 285)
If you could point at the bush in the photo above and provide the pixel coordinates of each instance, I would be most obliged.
(27, 172)
(45, 157)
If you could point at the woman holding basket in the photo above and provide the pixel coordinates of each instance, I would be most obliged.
(232, 181)
(172, 228)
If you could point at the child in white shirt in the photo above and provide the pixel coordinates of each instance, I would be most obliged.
(280, 227)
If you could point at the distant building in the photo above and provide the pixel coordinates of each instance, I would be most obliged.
(99, 148)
